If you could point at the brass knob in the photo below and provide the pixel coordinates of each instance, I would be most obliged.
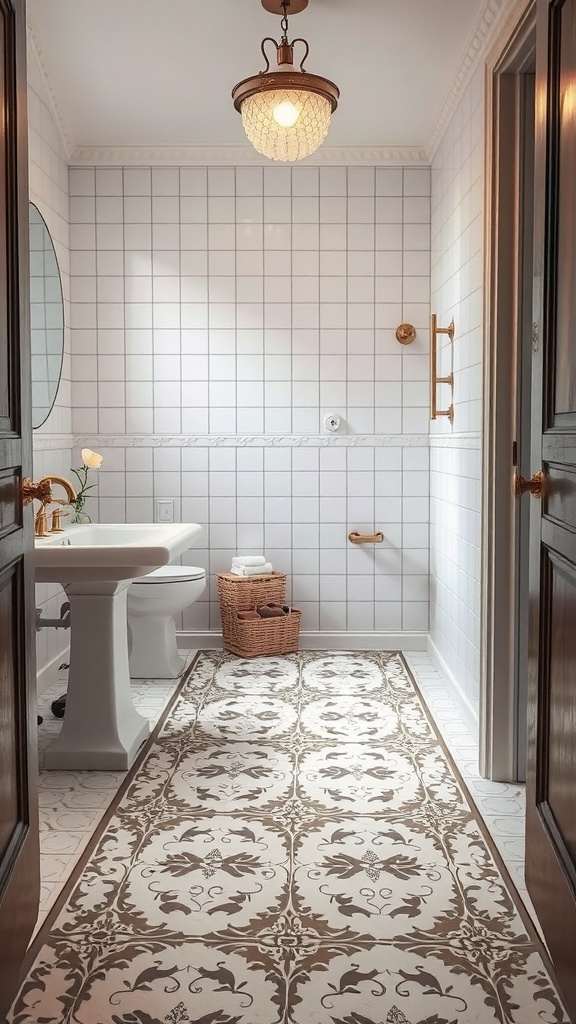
(535, 485)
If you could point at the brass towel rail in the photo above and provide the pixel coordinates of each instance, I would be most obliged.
(434, 378)
(365, 538)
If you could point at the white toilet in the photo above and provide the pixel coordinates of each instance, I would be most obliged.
(153, 601)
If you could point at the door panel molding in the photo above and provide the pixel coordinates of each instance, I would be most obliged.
(551, 776)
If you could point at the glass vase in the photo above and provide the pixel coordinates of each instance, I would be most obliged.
(80, 517)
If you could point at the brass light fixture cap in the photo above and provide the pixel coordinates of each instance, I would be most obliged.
(275, 7)
(270, 81)
(406, 334)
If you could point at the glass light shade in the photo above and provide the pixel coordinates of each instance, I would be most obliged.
(261, 116)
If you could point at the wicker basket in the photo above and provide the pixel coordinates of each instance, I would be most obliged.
(251, 638)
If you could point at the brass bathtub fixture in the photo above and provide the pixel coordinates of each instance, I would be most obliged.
(365, 538)
(406, 334)
(434, 379)
(42, 491)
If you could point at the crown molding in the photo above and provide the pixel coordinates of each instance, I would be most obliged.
(55, 108)
(240, 156)
(479, 39)
(244, 155)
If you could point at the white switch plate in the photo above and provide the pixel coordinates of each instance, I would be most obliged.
(164, 510)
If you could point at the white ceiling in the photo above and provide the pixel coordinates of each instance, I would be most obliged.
(150, 73)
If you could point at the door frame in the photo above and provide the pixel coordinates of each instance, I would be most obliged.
(498, 718)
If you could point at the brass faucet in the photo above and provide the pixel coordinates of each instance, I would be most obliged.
(43, 492)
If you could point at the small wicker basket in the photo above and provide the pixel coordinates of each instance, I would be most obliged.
(251, 638)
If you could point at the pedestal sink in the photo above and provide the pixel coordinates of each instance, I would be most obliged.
(95, 564)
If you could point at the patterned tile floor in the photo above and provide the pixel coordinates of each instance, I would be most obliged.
(328, 866)
(502, 806)
(72, 803)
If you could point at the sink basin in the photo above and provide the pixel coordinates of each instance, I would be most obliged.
(117, 551)
(95, 563)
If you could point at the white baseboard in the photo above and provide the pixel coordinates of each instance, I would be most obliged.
(50, 672)
(321, 641)
(468, 712)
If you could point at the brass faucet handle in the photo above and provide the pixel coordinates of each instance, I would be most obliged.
(40, 523)
(57, 521)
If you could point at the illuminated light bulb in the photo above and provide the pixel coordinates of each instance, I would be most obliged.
(286, 114)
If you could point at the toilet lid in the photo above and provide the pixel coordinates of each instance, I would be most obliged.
(171, 574)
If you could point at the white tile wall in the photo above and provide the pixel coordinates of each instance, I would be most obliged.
(455, 472)
(48, 176)
(48, 179)
(252, 301)
(297, 504)
(249, 300)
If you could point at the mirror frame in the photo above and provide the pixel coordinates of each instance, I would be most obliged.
(43, 224)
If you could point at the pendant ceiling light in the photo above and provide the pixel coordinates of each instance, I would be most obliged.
(285, 111)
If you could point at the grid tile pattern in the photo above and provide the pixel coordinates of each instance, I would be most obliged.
(297, 505)
(455, 472)
(249, 300)
(254, 300)
(48, 178)
(48, 189)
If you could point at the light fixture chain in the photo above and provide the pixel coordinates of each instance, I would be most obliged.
(284, 22)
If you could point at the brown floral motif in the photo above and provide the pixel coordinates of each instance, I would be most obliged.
(288, 939)
(236, 865)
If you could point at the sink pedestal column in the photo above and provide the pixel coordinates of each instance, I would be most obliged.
(101, 729)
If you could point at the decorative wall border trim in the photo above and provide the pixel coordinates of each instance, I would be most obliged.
(240, 156)
(56, 442)
(473, 441)
(207, 640)
(478, 42)
(53, 442)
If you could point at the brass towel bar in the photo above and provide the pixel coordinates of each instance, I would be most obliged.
(368, 538)
(434, 379)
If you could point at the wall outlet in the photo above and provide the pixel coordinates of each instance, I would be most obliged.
(164, 510)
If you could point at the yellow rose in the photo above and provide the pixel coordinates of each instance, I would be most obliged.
(91, 459)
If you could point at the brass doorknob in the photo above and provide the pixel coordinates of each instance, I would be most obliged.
(535, 485)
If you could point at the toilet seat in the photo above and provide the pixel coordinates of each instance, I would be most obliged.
(170, 574)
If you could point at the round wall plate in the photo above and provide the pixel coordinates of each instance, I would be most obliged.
(332, 422)
(275, 7)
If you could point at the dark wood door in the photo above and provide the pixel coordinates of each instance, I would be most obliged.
(19, 860)
(551, 781)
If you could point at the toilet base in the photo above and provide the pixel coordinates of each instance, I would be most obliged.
(154, 651)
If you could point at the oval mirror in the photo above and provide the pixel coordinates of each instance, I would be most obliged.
(46, 318)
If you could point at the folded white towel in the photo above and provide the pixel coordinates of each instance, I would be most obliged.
(249, 560)
(252, 570)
